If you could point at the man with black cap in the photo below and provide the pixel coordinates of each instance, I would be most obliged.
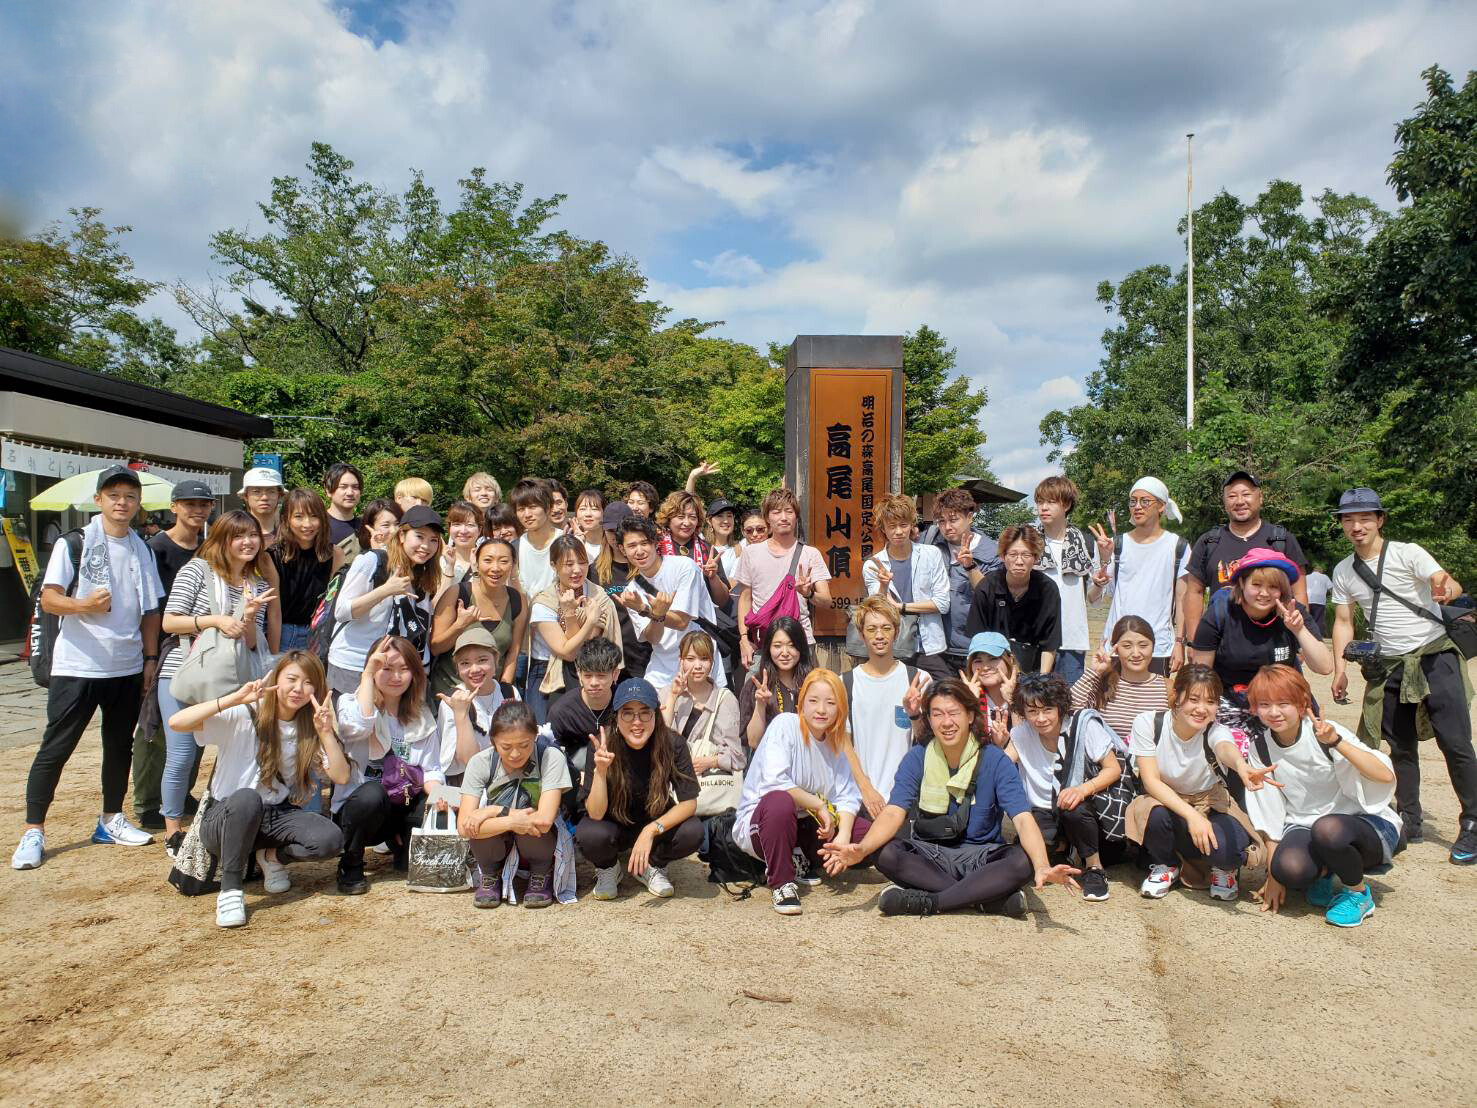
(1410, 663)
(191, 502)
(1215, 554)
(106, 650)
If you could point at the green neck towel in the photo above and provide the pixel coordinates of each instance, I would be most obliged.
(940, 784)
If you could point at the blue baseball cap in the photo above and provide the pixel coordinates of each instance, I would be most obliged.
(638, 690)
(992, 643)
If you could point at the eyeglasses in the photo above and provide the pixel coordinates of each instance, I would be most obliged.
(1142, 502)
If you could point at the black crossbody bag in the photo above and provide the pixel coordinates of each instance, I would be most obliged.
(1460, 623)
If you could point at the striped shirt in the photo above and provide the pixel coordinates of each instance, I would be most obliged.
(190, 596)
(1130, 701)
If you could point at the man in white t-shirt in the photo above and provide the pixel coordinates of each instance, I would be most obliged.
(105, 651)
(667, 597)
(764, 566)
(1142, 570)
(1070, 560)
(532, 502)
(1318, 584)
(884, 704)
(1417, 663)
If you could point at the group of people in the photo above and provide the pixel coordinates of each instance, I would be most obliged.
(637, 681)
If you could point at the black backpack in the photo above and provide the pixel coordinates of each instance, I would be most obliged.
(324, 622)
(1180, 546)
(41, 635)
(728, 864)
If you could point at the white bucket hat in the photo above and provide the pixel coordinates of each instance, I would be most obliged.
(261, 477)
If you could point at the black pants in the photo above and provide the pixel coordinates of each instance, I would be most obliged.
(959, 877)
(70, 705)
(602, 840)
(535, 852)
(1345, 846)
(1448, 710)
(241, 823)
(1316, 613)
(1077, 829)
(368, 817)
(1167, 840)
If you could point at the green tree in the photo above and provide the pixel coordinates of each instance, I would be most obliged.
(70, 292)
(942, 435)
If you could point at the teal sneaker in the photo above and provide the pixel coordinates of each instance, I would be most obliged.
(1320, 892)
(1350, 909)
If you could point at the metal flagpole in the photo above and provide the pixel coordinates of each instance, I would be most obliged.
(1190, 283)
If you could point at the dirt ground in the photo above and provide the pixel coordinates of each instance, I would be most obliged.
(117, 990)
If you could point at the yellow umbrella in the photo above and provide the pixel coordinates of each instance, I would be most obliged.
(78, 490)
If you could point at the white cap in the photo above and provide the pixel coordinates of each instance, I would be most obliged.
(261, 477)
(1156, 488)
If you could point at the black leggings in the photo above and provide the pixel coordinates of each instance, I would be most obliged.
(987, 881)
(1167, 840)
(1345, 846)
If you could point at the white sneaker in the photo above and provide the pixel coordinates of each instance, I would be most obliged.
(1160, 880)
(787, 899)
(607, 882)
(115, 830)
(382, 848)
(31, 850)
(1223, 884)
(230, 909)
(274, 874)
(657, 882)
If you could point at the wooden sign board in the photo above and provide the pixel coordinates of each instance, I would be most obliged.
(851, 469)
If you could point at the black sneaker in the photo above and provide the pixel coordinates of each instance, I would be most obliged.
(1464, 850)
(1013, 906)
(896, 901)
(1414, 827)
(173, 843)
(351, 882)
(151, 820)
(1094, 884)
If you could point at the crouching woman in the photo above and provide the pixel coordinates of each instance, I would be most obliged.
(799, 790)
(1186, 816)
(270, 735)
(1332, 816)
(954, 790)
(510, 798)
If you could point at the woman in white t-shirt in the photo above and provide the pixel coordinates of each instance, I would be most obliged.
(270, 735)
(564, 616)
(394, 749)
(1186, 814)
(409, 574)
(1331, 816)
(1059, 778)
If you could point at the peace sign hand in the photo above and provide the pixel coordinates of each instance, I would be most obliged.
(1292, 616)
(884, 575)
(248, 693)
(324, 722)
(1000, 730)
(965, 557)
(1104, 543)
(603, 754)
(1102, 660)
(256, 601)
(913, 698)
(1324, 731)
(976, 686)
(803, 582)
(710, 567)
(762, 692)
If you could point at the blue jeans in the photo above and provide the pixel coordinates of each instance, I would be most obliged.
(538, 704)
(1068, 666)
(295, 636)
(181, 755)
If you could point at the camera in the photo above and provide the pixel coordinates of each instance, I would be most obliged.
(1365, 653)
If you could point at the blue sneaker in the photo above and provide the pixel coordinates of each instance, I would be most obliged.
(1350, 909)
(1320, 892)
(115, 830)
(1464, 850)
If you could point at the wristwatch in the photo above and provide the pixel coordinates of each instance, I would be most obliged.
(661, 828)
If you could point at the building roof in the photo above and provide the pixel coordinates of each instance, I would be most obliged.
(50, 379)
(988, 492)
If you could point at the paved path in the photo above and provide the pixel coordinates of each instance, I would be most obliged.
(22, 706)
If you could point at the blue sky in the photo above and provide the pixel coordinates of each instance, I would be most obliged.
(808, 167)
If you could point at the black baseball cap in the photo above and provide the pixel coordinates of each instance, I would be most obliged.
(721, 505)
(420, 516)
(192, 490)
(615, 512)
(113, 474)
(1241, 475)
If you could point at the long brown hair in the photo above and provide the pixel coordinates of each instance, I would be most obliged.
(664, 772)
(269, 734)
(226, 530)
(1107, 686)
(413, 699)
(426, 577)
(309, 502)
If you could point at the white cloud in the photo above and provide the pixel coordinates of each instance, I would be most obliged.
(730, 266)
(1062, 389)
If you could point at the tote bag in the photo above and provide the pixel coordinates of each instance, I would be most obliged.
(718, 789)
(217, 664)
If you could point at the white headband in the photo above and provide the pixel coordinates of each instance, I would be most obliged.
(1156, 488)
